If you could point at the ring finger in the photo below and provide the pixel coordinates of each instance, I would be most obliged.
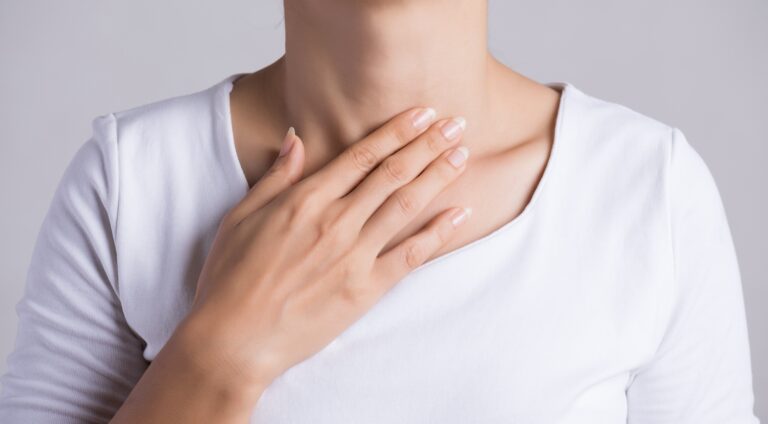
(404, 204)
(401, 168)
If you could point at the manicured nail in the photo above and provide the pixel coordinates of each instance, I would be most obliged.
(423, 118)
(458, 156)
(454, 127)
(287, 142)
(460, 216)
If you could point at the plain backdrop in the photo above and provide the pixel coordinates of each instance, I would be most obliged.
(699, 65)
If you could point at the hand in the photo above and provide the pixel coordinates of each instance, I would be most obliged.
(294, 263)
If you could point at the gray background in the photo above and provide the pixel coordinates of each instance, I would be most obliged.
(700, 65)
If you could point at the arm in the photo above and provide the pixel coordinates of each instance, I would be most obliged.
(292, 265)
(268, 296)
(75, 357)
(176, 388)
(701, 371)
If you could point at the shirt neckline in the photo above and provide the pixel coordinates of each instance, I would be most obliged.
(222, 92)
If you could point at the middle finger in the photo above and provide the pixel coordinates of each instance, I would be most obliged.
(400, 168)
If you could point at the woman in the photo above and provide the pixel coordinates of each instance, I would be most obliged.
(182, 276)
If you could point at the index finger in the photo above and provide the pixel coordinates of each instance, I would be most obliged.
(345, 171)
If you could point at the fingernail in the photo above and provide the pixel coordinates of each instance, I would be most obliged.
(287, 142)
(454, 127)
(423, 118)
(458, 156)
(460, 216)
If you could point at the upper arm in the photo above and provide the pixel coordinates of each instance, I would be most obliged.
(701, 372)
(75, 358)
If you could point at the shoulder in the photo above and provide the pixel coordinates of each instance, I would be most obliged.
(631, 138)
(156, 159)
(600, 127)
(627, 148)
(619, 166)
(158, 134)
(169, 121)
(176, 144)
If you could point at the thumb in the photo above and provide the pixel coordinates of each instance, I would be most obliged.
(290, 159)
(285, 171)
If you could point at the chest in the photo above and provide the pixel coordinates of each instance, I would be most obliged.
(511, 329)
(498, 188)
(455, 344)
(542, 322)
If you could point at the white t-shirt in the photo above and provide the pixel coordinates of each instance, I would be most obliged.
(614, 297)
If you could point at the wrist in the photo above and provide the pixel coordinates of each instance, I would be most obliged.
(178, 388)
(195, 354)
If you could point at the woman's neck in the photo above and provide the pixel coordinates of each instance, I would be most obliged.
(350, 65)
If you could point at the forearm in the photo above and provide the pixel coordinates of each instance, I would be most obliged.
(173, 389)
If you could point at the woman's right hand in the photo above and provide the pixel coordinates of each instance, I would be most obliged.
(294, 263)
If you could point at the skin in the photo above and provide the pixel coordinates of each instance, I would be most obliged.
(352, 65)
(328, 229)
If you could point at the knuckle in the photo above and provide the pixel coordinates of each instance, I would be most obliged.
(304, 188)
(229, 219)
(327, 229)
(359, 259)
(353, 292)
(302, 203)
(354, 265)
(442, 234)
(435, 141)
(445, 171)
(394, 169)
(413, 255)
(310, 199)
(400, 133)
(333, 232)
(363, 157)
(405, 202)
(275, 172)
(293, 214)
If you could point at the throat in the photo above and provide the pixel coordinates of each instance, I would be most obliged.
(351, 66)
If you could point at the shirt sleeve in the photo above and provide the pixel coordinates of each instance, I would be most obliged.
(701, 371)
(75, 358)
